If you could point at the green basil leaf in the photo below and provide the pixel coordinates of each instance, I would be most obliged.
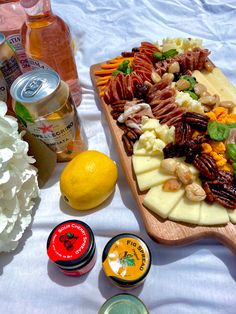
(158, 55)
(231, 125)
(129, 70)
(115, 72)
(192, 94)
(217, 131)
(231, 151)
(170, 53)
(192, 81)
(234, 166)
(123, 66)
(23, 113)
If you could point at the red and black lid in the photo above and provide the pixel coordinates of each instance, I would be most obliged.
(71, 244)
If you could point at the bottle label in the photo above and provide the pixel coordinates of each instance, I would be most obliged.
(3, 88)
(10, 70)
(36, 64)
(15, 41)
(56, 133)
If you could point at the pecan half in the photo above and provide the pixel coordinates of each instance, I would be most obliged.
(183, 133)
(224, 195)
(117, 111)
(209, 195)
(128, 144)
(206, 166)
(196, 120)
(127, 54)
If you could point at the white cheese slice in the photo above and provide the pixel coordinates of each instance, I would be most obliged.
(213, 214)
(186, 211)
(232, 215)
(162, 202)
(201, 78)
(217, 83)
(149, 179)
(145, 163)
(225, 89)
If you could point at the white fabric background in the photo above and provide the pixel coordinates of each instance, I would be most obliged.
(199, 278)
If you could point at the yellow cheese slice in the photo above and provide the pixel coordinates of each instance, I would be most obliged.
(149, 179)
(201, 78)
(162, 202)
(232, 215)
(145, 163)
(213, 214)
(225, 89)
(186, 211)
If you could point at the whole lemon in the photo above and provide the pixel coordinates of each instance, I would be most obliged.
(88, 180)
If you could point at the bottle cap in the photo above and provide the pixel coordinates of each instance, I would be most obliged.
(123, 303)
(28, 3)
(2, 39)
(71, 244)
(34, 86)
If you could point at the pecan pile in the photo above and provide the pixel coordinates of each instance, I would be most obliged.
(221, 190)
(219, 186)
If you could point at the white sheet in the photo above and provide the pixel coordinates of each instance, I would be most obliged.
(198, 278)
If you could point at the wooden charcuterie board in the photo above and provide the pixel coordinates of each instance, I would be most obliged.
(161, 230)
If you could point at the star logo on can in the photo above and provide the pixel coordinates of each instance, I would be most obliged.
(46, 128)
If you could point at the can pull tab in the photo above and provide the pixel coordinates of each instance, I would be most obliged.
(32, 88)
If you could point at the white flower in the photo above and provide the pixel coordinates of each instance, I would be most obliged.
(18, 183)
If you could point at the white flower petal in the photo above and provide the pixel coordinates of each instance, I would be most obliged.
(3, 108)
(4, 177)
(5, 154)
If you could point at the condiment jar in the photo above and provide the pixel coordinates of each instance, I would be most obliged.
(126, 260)
(71, 246)
(124, 304)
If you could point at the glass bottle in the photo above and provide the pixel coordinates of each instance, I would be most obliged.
(47, 41)
(12, 17)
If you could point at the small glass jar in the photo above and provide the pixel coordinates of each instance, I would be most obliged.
(71, 246)
(126, 260)
(123, 303)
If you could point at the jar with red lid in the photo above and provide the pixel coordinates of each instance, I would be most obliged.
(71, 246)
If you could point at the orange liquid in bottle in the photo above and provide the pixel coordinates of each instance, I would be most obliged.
(47, 41)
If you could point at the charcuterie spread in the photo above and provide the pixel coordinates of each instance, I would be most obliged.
(177, 113)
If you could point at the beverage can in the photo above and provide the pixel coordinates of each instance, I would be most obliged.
(42, 103)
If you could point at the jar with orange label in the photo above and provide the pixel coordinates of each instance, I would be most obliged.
(126, 260)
